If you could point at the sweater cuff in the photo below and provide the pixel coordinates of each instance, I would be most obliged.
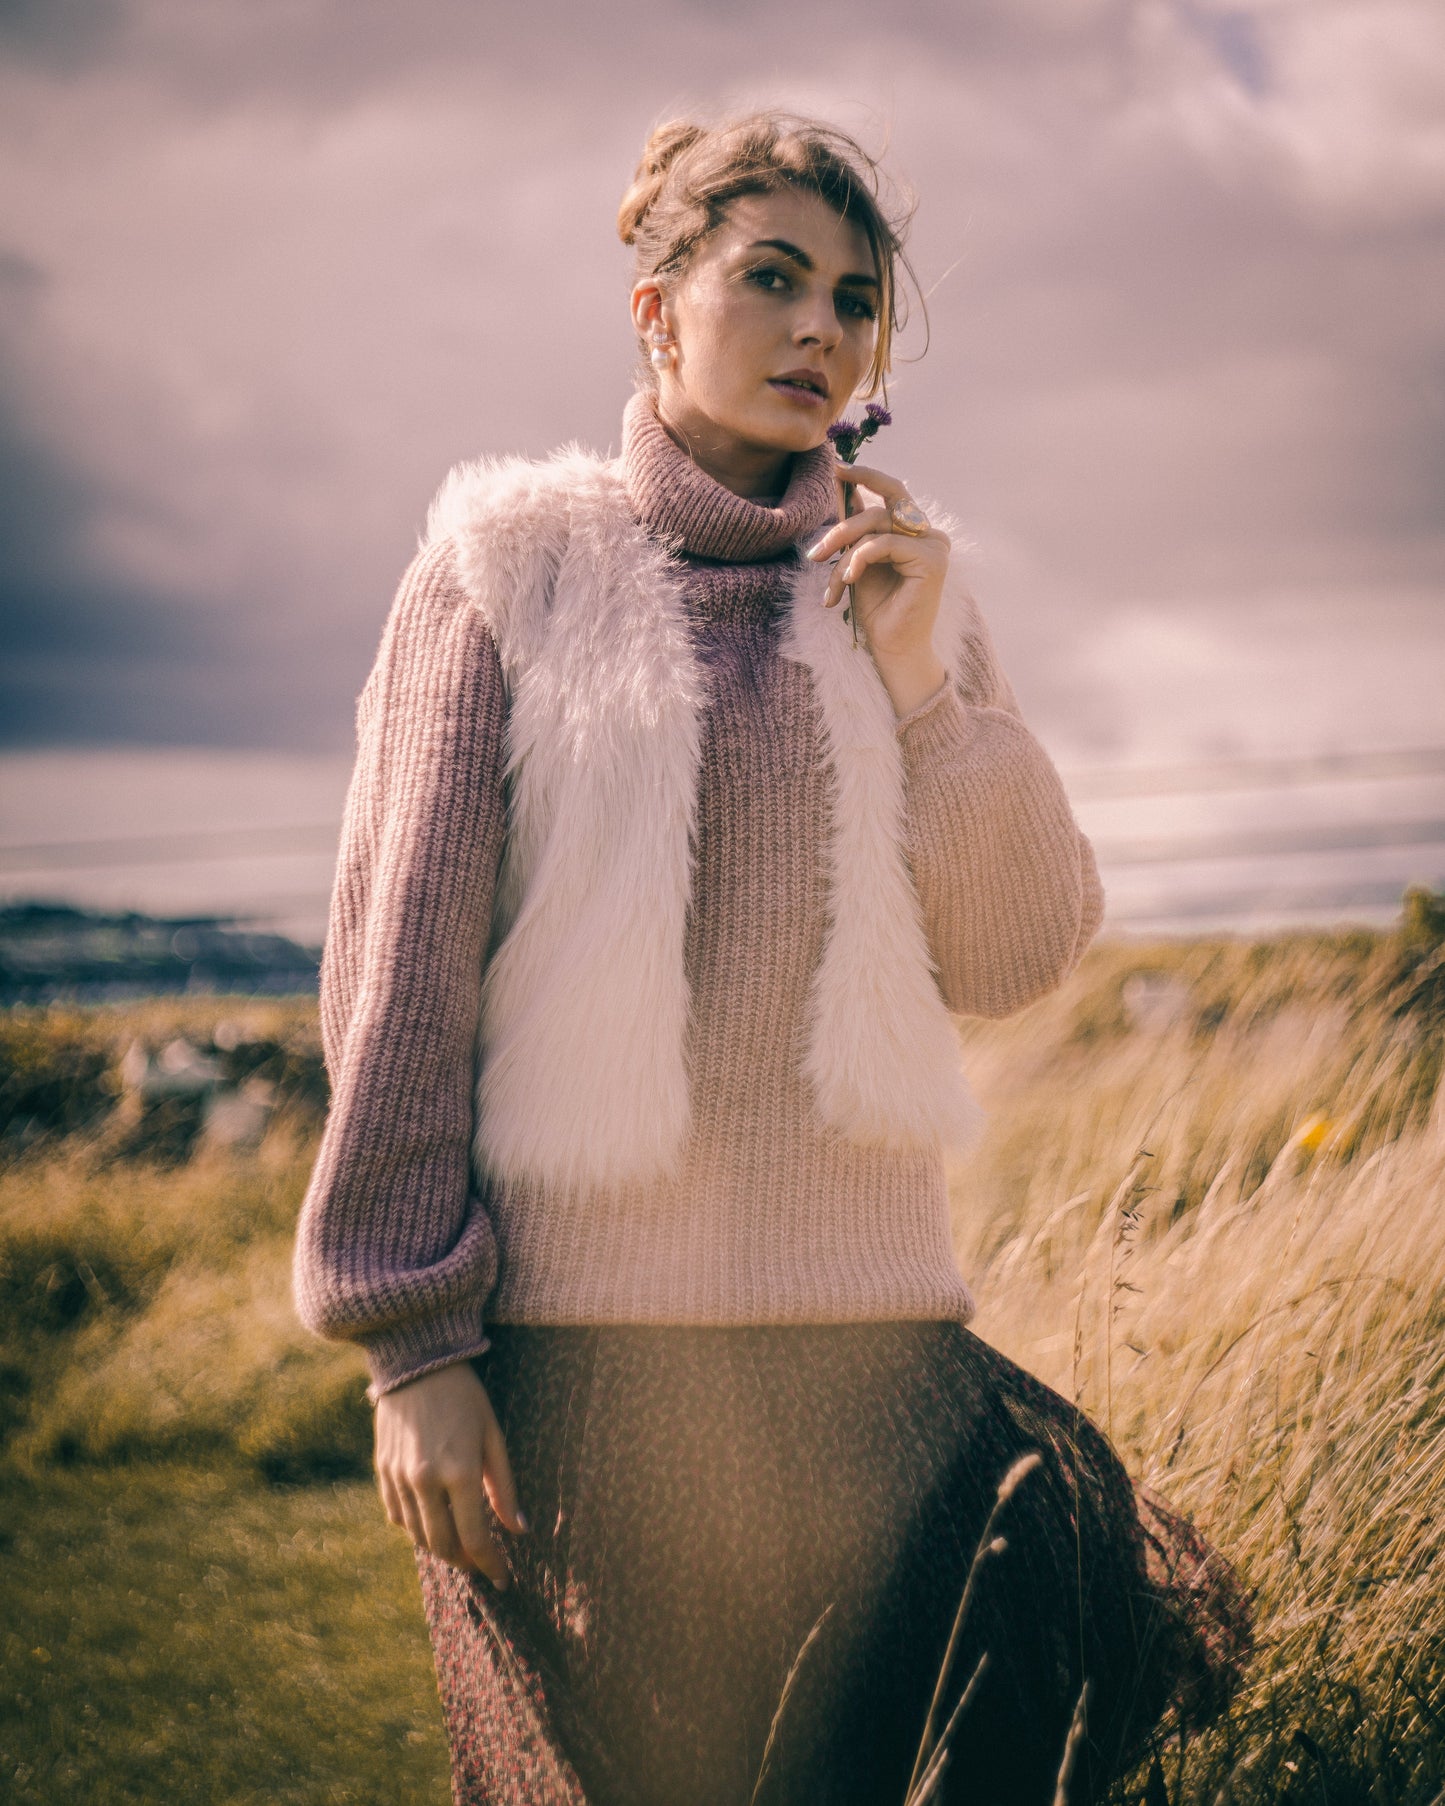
(938, 732)
(408, 1350)
(923, 708)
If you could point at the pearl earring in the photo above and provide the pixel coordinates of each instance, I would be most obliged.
(661, 348)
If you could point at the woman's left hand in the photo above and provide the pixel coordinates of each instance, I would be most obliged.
(897, 578)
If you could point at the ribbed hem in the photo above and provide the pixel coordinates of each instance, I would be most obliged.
(676, 498)
(912, 1287)
(924, 709)
(412, 1349)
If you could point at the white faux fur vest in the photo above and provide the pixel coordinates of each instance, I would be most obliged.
(582, 1068)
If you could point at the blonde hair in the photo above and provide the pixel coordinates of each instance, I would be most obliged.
(689, 173)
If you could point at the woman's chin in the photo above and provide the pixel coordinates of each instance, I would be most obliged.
(789, 435)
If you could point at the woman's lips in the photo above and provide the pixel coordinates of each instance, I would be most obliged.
(797, 391)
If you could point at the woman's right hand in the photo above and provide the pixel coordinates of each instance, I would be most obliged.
(438, 1443)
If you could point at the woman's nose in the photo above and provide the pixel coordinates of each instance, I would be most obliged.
(818, 324)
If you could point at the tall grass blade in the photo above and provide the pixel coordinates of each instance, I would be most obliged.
(1071, 1747)
(1024, 1466)
(928, 1781)
(777, 1718)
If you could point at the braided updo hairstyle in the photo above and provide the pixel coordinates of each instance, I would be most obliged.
(689, 173)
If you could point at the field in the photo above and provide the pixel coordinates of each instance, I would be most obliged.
(1209, 1205)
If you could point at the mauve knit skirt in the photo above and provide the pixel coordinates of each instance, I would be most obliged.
(702, 1498)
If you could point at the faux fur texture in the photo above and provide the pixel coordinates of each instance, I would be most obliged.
(882, 1055)
(585, 997)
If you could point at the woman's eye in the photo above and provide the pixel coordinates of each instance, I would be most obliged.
(858, 306)
(764, 278)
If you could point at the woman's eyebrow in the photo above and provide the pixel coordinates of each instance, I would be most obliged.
(854, 278)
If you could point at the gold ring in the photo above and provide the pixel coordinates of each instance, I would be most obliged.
(908, 519)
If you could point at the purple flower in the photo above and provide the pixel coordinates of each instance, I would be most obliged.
(849, 436)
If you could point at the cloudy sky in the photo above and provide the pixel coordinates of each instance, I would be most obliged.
(266, 270)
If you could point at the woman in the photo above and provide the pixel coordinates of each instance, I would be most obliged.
(659, 893)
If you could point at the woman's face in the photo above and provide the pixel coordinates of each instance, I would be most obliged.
(774, 322)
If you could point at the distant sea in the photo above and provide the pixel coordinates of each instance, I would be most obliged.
(1244, 845)
(175, 832)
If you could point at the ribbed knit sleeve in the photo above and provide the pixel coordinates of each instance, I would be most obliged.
(1008, 882)
(394, 1250)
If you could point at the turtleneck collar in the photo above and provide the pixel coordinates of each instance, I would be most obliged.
(675, 497)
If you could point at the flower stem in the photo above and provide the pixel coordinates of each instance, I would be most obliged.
(850, 613)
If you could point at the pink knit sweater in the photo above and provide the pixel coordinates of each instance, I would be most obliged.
(771, 1217)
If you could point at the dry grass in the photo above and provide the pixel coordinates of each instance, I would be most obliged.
(147, 1314)
(1208, 1206)
(1222, 1232)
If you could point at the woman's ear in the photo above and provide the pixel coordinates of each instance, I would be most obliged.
(653, 326)
(647, 316)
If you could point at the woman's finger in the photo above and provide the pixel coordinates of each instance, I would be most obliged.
(474, 1533)
(838, 578)
(844, 532)
(411, 1515)
(390, 1498)
(878, 481)
(436, 1516)
(497, 1475)
(883, 548)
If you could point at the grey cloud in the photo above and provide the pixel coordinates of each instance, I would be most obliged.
(85, 655)
(62, 36)
(1235, 38)
(273, 268)
(21, 280)
(320, 53)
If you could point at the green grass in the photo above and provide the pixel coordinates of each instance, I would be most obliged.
(184, 1633)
